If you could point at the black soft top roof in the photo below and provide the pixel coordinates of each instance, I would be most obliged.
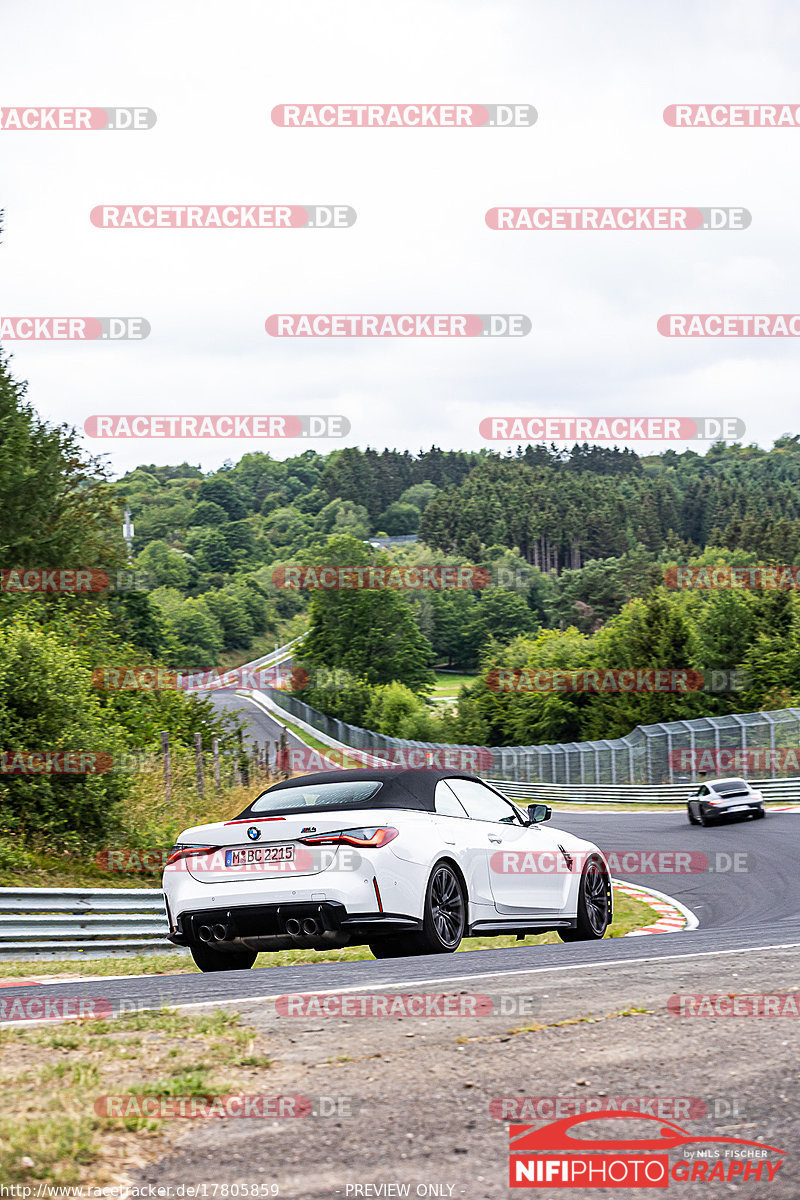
(400, 789)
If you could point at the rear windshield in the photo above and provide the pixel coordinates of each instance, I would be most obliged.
(730, 785)
(320, 795)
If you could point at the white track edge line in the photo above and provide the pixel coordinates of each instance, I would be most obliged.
(361, 987)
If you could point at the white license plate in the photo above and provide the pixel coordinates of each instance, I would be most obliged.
(738, 808)
(259, 856)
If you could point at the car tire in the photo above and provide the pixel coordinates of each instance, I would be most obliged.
(444, 919)
(702, 818)
(208, 959)
(594, 904)
(692, 818)
(759, 813)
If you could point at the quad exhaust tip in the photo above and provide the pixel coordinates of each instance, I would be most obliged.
(308, 927)
(214, 933)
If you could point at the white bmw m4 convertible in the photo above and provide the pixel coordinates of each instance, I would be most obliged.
(406, 862)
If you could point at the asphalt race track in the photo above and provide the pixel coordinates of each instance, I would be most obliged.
(258, 725)
(753, 904)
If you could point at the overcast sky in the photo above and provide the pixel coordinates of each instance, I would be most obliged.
(599, 76)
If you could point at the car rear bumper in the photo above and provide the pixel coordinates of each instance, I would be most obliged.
(308, 924)
(735, 809)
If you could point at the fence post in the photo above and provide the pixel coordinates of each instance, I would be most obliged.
(167, 764)
(284, 754)
(198, 764)
(242, 769)
(215, 754)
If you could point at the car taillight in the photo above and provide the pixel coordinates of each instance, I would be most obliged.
(354, 837)
(715, 802)
(179, 852)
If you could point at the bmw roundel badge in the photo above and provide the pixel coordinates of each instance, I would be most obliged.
(253, 833)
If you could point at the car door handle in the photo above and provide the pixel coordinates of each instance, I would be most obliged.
(492, 838)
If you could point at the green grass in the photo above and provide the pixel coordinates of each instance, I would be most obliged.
(451, 681)
(51, 1077)
(448, 683)
(42, 869)
(629, 914)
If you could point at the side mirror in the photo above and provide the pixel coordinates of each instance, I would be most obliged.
(539, 812)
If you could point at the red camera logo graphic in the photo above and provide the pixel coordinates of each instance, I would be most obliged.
(563, 1154)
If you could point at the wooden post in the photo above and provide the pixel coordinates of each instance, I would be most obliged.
(167, 765)
(215, 754)
(198, 764)
(284, 754)
(241, 761)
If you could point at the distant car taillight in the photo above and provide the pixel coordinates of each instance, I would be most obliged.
(373, 837)
(178, 852)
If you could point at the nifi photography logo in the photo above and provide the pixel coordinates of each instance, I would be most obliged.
(569, 1154)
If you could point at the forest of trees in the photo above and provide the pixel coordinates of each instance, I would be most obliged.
(58, 510)
(575, 542)
(560, 512)
(582, 531)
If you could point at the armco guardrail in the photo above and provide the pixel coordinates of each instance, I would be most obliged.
(649, 754)
(81, 922)
(785, 790)
(101, 922)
